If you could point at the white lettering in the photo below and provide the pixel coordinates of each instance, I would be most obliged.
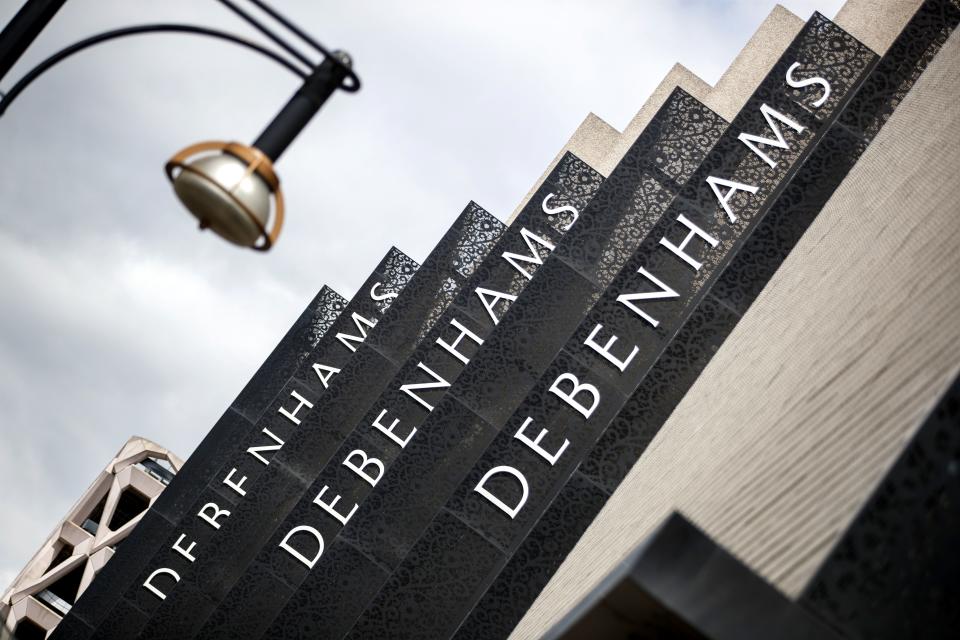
(557, 210)
(285, 545)
(359, 469)
(799, 84)
(716, 183)
(255, 451)
(388, 431)
(217, 512)
(236, 486)
(381, 296)
(779, 142)
(452, 348)
(497, 502)
(148, 583)
(362, 324)
(184, 552)
(570, 398)
(605, 350)
(329, 506)
(438, 383)
(679, 250)
(535, 443)
(627, 299)
(302, 402)
(325, 372)
(495, 296)
(534, 257)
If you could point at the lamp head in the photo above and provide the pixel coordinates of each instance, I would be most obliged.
(228, 188)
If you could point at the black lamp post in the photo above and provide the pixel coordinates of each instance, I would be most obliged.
(227, 186)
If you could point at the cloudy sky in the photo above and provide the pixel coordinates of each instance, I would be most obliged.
(117, 317)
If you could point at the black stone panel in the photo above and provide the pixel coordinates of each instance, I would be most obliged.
(124, 622)
(73, 628)
(290, 353)
(568, 433)
(821, 49)
(641, 187)
(894, 572)
(172, 624)
(530, 567)
(390, 519)
(342, 406)
(251, 521)
(310, 613)
(150, 536)
(531, 332)
(262, 592)
(428, 584)
(200, 466)
(901, 66)
(425, 298)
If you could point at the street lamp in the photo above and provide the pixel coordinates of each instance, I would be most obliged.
(231, 188)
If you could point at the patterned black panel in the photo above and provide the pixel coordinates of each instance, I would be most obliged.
(311, 613)
(481, 230)
(534, 476)
(172, 624)
(390, 519)
(820, 50)
(124, 622)
(531, 333)
(894, 573)
(900, 66)
(429, 583)
(529, 569)
(641, 187)
(425, 297)
(575, 184)
(287, 356)
(398, 269)
(206, 460)
(324, 429)
(262, 592)
(486, 394)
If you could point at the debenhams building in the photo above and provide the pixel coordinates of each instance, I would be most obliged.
(702, 385)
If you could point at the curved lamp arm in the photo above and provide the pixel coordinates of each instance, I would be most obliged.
(86, 43)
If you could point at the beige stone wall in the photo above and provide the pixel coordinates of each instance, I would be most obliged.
(754, 62)
(876, 23)
(816, 391)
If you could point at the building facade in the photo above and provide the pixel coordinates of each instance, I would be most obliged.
(87, 538)
(673, 397)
